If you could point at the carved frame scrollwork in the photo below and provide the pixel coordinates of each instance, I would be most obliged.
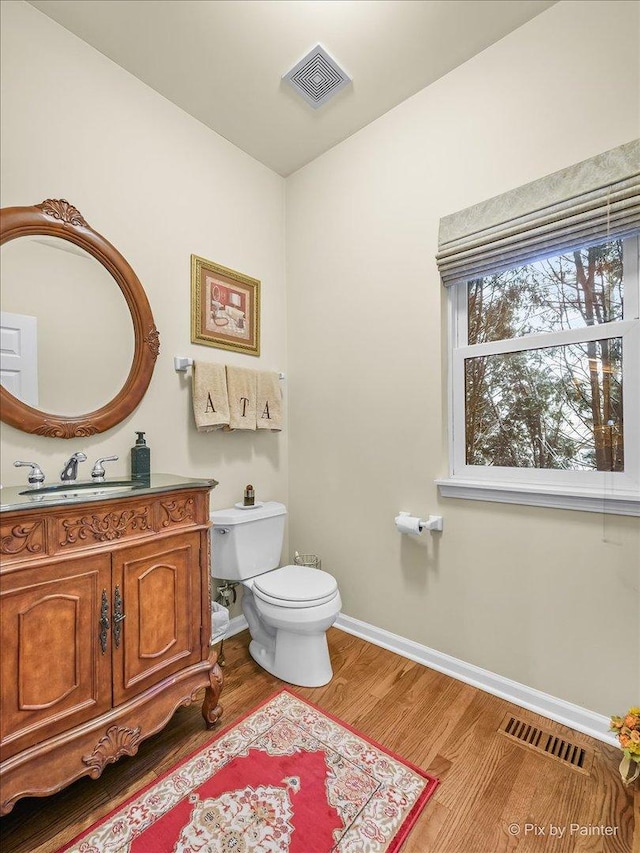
(59, 218)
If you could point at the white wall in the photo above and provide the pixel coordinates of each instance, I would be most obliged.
(548, 598)
(159, 186)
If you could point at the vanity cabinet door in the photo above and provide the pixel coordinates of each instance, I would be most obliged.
(157, 587)
(54, 674)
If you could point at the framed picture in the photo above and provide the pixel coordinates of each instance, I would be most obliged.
(225, 308)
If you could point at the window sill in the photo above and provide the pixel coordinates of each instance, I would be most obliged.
(621, 503)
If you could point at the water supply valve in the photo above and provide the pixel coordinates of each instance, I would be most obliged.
(227, 594)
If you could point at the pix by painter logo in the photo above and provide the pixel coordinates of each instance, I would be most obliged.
(552, 830)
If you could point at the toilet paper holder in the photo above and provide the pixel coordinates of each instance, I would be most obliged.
(433, 523)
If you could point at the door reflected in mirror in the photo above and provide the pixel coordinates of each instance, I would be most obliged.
(67, 332)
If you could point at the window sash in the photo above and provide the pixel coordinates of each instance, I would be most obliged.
(615, 329)
(626, 480)
(631, 274)
(626, 483)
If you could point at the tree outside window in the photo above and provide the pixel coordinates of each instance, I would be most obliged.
(548, 407)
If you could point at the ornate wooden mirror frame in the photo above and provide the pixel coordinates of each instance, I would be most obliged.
(58, 218)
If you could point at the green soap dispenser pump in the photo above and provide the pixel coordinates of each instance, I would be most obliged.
(140, 459)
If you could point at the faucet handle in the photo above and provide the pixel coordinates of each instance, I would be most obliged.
(36, 477)
(98, 469)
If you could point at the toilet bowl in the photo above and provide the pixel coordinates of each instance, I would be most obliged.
(288, 609)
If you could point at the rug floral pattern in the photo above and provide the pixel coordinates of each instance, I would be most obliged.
(286, 779)
(252, 820)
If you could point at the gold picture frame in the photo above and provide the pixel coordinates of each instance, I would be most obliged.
(225, 307)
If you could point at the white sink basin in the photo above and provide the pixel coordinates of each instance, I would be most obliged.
(64, 491)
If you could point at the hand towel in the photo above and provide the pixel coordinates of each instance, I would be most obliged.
(241, 388)
(210, 401)
(269, 401)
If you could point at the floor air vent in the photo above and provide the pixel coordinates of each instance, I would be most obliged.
(317, 77)
(553, 745)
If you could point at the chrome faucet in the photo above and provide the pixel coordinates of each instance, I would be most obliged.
(70, 470)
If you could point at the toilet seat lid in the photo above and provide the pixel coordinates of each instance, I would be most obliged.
(296, 585)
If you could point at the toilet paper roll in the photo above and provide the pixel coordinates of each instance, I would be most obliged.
(408, 524)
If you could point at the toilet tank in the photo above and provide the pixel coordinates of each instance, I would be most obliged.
(246, 542)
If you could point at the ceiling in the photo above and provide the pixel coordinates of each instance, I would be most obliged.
(222, 60)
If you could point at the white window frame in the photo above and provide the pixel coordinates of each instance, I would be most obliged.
(595, 491)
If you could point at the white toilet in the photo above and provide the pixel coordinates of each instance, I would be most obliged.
(289, 609)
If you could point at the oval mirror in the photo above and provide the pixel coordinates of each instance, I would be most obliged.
(79, 343)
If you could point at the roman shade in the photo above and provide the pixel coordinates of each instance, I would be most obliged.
(582, 204)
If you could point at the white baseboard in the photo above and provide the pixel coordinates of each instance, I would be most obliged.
(574, 716)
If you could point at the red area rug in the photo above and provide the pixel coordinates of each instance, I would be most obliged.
(287, 778)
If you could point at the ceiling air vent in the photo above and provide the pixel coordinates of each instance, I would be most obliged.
(317, 77)
(570, 754)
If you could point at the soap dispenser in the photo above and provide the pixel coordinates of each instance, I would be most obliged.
(141, 459)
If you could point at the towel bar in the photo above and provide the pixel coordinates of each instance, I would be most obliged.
(181, 364)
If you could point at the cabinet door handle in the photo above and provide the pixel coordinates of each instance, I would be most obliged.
(104, 621)
(118, 616)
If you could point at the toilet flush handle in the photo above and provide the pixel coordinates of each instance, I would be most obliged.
(221, 529)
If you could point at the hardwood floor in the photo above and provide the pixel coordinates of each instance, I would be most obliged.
(488, 782)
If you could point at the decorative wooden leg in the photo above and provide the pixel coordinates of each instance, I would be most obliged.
(211, 710)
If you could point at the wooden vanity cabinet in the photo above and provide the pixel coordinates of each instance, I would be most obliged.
(105, 625)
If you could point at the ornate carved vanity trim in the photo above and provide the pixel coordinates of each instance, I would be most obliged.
(46, 777)
(118, 741)
(23, 537)
(177, 511)
(104, 527)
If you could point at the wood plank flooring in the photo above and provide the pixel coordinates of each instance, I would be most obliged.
(488, 782)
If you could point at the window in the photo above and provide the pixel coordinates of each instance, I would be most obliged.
(545, 381)
(544, 340)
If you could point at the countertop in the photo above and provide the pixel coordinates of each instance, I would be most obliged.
(24, 497)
